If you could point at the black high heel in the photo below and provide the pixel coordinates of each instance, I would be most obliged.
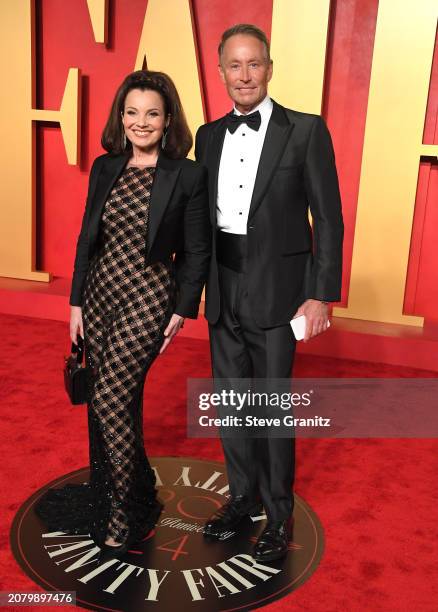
(108, 552)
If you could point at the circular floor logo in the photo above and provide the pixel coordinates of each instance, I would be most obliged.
(175, 566)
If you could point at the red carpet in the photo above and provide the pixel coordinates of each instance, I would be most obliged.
(377, 499)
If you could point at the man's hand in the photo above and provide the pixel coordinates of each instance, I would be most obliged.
(316, 314)
(175, 324)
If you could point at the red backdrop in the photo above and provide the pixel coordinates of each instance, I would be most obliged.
(65, 39)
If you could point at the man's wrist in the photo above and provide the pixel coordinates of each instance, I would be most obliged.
(319, 301)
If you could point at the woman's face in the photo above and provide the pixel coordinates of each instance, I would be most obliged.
(144, 118)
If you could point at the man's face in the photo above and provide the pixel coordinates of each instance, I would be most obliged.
(245, 70)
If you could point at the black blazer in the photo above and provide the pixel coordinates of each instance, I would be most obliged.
(287, 261)
(178, 224)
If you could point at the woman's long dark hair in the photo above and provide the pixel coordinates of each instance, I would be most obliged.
(179, 138)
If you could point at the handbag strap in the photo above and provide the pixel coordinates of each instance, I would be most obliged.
(78, 349)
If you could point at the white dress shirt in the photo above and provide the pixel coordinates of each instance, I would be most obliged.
(238, 169)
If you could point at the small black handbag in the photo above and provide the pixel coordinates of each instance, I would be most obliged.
(76, 375)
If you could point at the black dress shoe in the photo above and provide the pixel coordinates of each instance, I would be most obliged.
(273, 542)
(222, 523)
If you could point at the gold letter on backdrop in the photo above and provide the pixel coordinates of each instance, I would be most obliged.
(298, 49)
(17, 127)
(98, 10)
(400, 77)
(167, 43)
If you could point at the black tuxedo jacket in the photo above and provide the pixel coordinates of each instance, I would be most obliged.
(288, 262)
(178, 224)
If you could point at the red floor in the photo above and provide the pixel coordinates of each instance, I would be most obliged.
(377, 499)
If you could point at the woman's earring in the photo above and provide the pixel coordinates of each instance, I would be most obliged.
(124, 141)
(164, 139)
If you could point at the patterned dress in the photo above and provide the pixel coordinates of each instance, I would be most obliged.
(126, 307)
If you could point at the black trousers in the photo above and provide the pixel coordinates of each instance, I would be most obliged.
(260, 468)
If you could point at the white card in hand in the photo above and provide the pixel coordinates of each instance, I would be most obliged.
(299, 327)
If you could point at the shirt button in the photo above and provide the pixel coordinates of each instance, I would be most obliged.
(240, 213)
(240, 186)
(243, 134)
(241, 160)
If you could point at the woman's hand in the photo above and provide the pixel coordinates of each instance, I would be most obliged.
(175, 324)
(76, 324)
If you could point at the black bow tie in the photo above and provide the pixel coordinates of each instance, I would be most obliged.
(252, 120)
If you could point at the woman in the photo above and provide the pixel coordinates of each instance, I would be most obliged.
(146, 203)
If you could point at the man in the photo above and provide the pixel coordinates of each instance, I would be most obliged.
(267, 166)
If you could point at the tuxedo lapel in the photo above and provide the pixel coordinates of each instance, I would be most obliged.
(277, 135)
(213, 162)
(110, 172)
(164, 183)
